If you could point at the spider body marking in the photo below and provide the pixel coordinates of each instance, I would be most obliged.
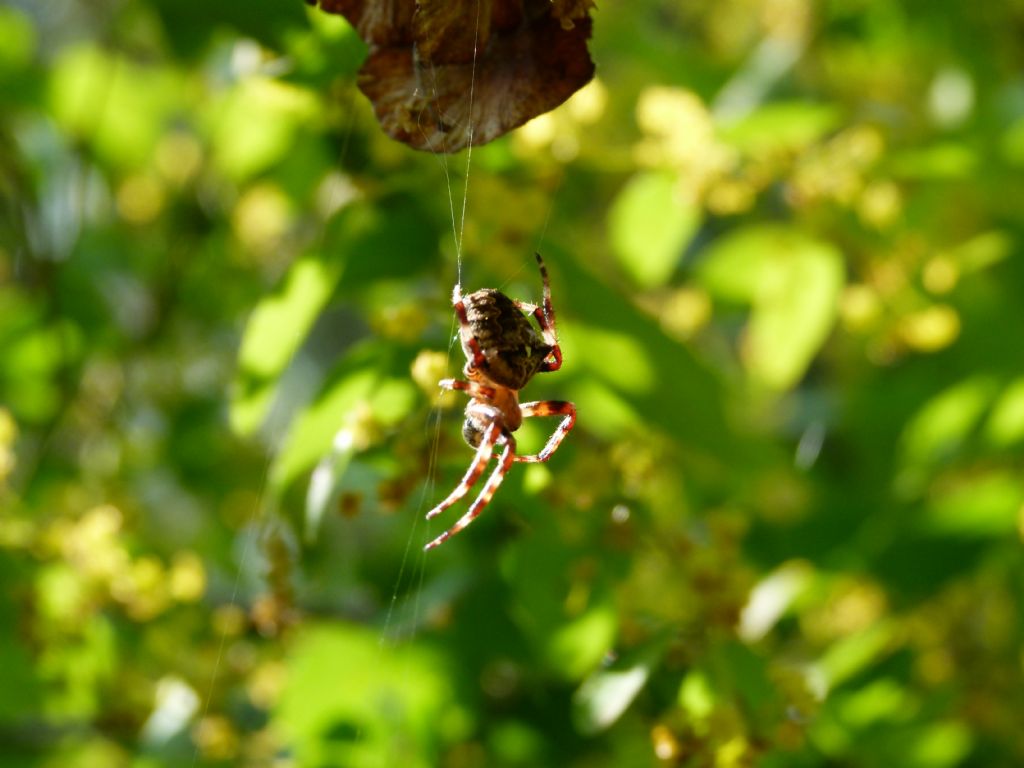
(503, 352)
(513, 350)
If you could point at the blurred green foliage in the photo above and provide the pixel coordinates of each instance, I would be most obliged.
(785, 247)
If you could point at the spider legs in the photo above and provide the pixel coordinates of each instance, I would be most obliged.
(495, 435)
(478, 358)
(476, 468)
(471, 388)
(550, 408)
(545, 316)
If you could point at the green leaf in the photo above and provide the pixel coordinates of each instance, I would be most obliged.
(577, 647)
(615, 357)
(279, 323)
(1005, 425)
(943, 423)
(940, 744)
(882, 699)
(673, 390)
(606, 694)
(312, 433)
(697, 695)
(945, 160)
(792, 283)
(782, 126)
(650, 226)
(19, 38)
(852, 654)
(390, 402)
(276, 329)
(1012, 143)
(351, 700)
(983, 506)
(255, 124)
(326, 480)
(120, 106)
(982, 251)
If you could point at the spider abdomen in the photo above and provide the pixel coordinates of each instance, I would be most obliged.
(512, 348)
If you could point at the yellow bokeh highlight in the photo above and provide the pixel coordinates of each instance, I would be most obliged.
(588, 104)
(679, 133)
(685, 312)
(859, 307)
(930, 329)
(140, 198)
(673, 112)
(539, 132)
(429, 367)
(940, 274)
(733, 753)
(216, 738)
(403, 321)
(836, 171)
(187, 578)
(142, 588)
(261, 217)
(178, 158)
(730, 196)
(266, 683)
(8, 436)
(787, 20)
(853, 606)
(880, 204)
(92, 544)
(229, 620)
(560, 131)
(666, 745)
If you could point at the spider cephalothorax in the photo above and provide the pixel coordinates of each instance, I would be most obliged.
(503, 352)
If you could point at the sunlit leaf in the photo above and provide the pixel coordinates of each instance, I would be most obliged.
(577, 647)
(650, 226)
(987, 505)
(1005, 425)
(613, 356)
(115, 103)
(675, 374)
(20, 37)
(312, 433)
(390, 402)
(945, 743)
(607, 693)
(1013, 143)
(941, 426)
(697, 696)
(352, 700)
(850, 655)
(938, 161)
(326, 479)
(782, 126)
(276, 329)
(982, 251)
(883, 699)
(792, 283)
(255, 123)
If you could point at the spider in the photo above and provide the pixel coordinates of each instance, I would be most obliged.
(503, 352)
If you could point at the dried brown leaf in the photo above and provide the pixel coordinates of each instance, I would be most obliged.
(431, 91)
